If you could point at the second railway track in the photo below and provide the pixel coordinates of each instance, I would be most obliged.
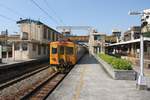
(26, 75)
(37, 91)
(41, 91)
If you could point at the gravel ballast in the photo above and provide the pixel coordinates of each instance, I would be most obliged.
(16, 91)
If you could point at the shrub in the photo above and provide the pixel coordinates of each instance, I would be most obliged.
(117, 63)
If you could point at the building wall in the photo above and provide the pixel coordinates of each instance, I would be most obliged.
(39, 36)
(31, 53)
(133, 33)
(97, 42)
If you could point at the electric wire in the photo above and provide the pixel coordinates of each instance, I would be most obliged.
(54, 12)
(8, 18)
(12, 10)
(54, 20)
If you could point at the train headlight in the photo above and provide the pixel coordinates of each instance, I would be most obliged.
(54, 59)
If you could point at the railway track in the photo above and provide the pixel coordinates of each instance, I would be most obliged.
(24, 76)
(7, 74)
(41, 91)
(38, 91)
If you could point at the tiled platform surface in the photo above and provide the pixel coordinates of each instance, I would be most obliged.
(88, 81)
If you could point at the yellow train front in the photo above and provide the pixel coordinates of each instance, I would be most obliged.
(65, 53)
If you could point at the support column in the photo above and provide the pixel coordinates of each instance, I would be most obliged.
(13, 51)
(141, 82)
(97, 49)
(132, 49)
(21, 51)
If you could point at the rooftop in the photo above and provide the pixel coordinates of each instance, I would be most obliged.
(34, 21)
(131, 41)
(29, 21)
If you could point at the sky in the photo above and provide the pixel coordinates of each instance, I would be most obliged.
(104, 15)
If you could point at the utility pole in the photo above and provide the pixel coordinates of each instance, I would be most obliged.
(141, 82)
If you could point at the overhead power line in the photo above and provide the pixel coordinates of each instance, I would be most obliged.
(54, 12)
(44, 11)
(5, 17)
(12, 10)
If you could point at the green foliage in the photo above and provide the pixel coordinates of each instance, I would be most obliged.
(117, 63)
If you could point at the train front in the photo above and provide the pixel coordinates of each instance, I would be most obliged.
(63, 53)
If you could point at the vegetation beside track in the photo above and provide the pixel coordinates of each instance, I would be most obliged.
(116, 63)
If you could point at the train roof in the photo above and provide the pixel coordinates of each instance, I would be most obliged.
(62, 42)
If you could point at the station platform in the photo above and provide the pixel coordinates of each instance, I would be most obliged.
(6, 63)
(88, 81)
(11, 61)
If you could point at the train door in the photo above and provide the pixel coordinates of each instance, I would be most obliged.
(53, 54)
(70, 53)
(61, 54)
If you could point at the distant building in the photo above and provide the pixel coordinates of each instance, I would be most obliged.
(110, 39)
(32, 41)
(133, 33)
(130, 47)
(97, 42)
(146, 21)
(78, 38)
(117, 34)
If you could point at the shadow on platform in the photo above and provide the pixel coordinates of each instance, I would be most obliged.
(88, 59)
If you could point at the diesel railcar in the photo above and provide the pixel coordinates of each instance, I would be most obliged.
(65, 53)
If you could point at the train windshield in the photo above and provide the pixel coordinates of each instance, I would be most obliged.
(54, 50)
(69, 50)
(61, 50)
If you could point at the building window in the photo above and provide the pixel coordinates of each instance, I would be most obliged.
(39, 49)
(24, 46)
(24, 36)
(44, 33)
(44, 50)
(49, 35)
(147, 17)
(69, 50)
(53, 36)
(17, 46)
(96, 37)
(34, 47)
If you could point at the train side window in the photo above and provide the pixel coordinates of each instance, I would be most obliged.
(61, 50)
(69, 50)
(54, 50)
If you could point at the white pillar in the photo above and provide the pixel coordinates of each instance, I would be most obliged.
(141, 79)
(13, 51)
(21, 51)
(7, 55)
(98, 49)
(132, 35)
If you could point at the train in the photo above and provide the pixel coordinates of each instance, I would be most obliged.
(65, 53)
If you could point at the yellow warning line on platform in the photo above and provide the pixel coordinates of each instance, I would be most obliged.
(80, 85)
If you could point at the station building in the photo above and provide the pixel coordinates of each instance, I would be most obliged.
(32, 40)
(97, 42)
(129, 48)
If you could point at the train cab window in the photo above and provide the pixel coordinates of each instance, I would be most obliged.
(54, 50)
(69, 50)
(61, 50)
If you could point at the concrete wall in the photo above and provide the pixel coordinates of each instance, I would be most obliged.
(38, 34)
(30, 53)
(21, 55)
(34, 54)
